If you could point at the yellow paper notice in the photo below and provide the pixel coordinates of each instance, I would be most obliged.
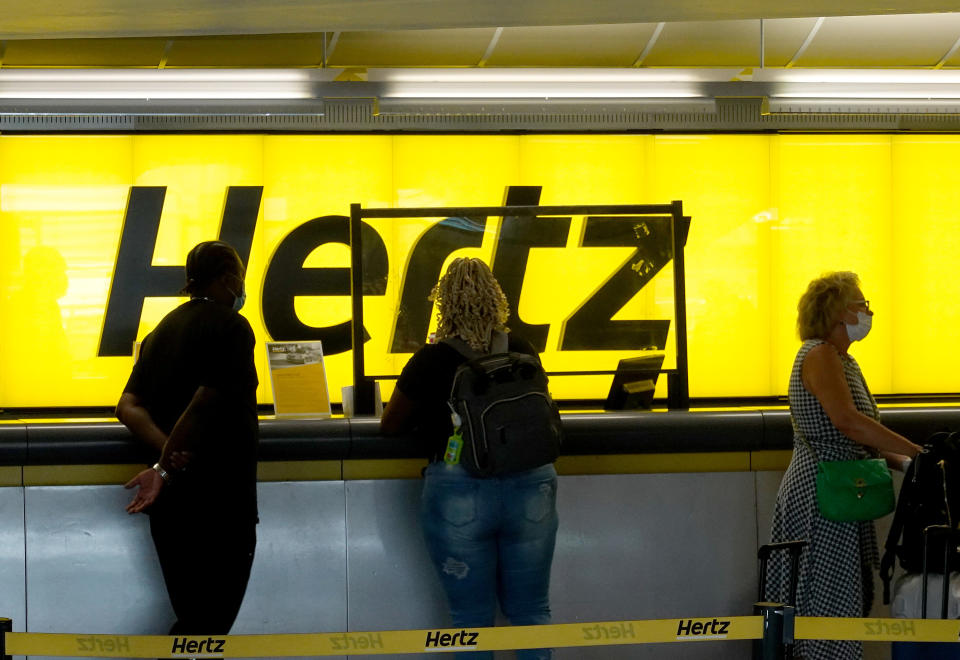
(299, 379)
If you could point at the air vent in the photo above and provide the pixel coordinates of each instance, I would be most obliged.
(363, 114)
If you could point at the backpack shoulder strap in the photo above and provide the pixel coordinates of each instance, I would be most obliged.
(499, 343)
(461, 347)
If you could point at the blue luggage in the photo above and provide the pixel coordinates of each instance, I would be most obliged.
(925, 651)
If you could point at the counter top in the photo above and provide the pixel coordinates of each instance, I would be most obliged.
(89, 441)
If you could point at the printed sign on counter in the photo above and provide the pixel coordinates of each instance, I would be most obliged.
(299, 379)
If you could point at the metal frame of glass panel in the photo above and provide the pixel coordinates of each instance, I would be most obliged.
(678, 391)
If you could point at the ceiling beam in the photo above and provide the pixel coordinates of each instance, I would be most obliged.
(651, 42)
(806, 43)
(946, 57)
(494, 40)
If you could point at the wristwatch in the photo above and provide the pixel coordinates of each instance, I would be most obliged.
(163, 473)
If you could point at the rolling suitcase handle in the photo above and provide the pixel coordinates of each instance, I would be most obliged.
(777, 642)
(794, 548)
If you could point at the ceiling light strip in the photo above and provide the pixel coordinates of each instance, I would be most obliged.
(650, 44)
(806, 43)
(491, 47)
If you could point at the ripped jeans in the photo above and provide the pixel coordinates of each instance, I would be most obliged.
(492, 539)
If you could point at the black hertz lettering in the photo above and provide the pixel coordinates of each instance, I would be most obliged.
(615, 631)
(691, 628)
(365, 641)
(134, 278)
(101, 643)
(210, 645)
(463, 639)
(590, 327)
(897, 629)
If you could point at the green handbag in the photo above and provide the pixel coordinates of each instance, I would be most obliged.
(849, 491)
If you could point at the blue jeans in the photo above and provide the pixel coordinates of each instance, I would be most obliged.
(492, 539)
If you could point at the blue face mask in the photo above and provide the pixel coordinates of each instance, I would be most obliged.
(239, 300)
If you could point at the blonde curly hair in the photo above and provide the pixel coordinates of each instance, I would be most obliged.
(470, 303)
(823, 302)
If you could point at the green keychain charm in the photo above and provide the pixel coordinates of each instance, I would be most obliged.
(454, 446)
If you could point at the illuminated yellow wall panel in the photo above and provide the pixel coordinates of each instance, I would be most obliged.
(452, 170)
(926, 249)
(723, 182)
(61, 209)
(308, 177)
(832, 195)
(197, 171)
(578, 170)
(768, 214)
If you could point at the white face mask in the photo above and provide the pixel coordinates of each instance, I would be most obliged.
(861, 328)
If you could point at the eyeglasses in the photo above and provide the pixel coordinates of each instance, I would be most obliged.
(865, 303)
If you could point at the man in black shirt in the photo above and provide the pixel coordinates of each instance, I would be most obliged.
(192, 397)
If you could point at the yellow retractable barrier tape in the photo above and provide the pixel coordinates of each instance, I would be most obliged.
(382, 642)
(878, 630)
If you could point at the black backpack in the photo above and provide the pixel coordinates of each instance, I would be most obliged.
(508, 421)
(929, 496)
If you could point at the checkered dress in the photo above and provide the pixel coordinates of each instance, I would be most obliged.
(836, 570)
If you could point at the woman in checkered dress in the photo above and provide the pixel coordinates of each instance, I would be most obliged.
(833, 410)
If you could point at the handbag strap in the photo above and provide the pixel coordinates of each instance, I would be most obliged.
(803, 438)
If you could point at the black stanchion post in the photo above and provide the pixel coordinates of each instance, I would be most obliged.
(770, 646)
(6, 625)
(789, 625)
(363, 388)
(778, 618)
(678, 384)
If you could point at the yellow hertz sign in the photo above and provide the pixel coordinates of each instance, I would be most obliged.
(94, 231)
(478, 639)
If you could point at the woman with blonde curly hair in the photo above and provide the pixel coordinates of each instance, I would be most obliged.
(489, 538)
(835, 418)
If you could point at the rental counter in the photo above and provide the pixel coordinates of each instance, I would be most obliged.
(661, 514)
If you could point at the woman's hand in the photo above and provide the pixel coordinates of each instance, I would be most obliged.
(896, 461)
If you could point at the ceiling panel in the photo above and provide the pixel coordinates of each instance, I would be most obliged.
(412, 48)
(783, 37)
(84, 53)
(882, 41)
(846, 42)
(707, 43)
(42, 19)
(585, 45)
(293, 50)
